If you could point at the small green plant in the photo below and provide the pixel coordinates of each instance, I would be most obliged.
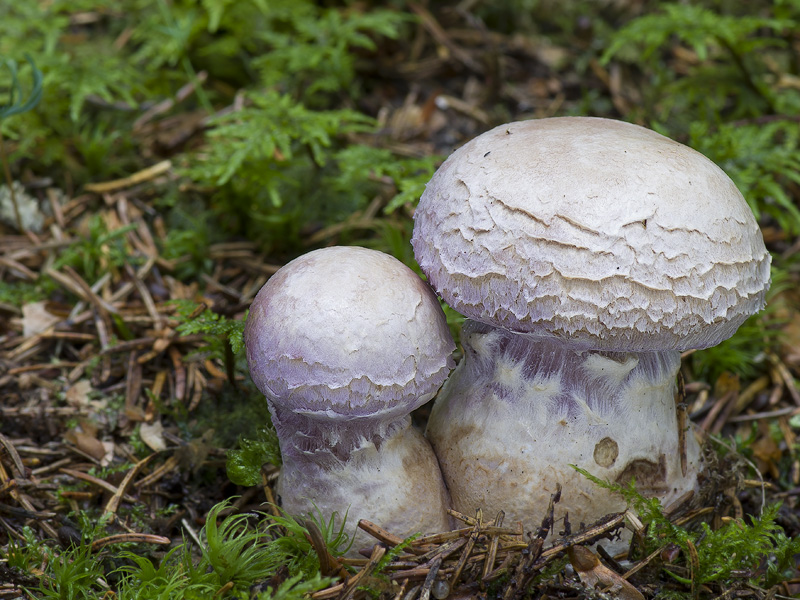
(223, 336)
(244, 463)
(295, 588)
(100, 251)
(15, 105)
(217, 329)
(728, 99)
(174, 578)
(730, 51)
(360, 167)
(25, 554)
(392, 553)
(19, 293)
(190, 231)
(235, 552)
(74, 574)
(743, 354)
(378, 581)
(313, 50)
(756, 547)
(268, 134)
(763, 159)
(293, 543)
(266, 163)
(92, 526)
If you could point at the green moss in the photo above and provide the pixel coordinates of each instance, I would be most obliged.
(754, 547)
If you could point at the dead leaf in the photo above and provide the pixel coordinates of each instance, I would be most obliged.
(86, 443)
(135, 413)
(36, 319)
(108, 457)
(727, 382)
(27, 206)
(77, 395)
(555, 57)
(596, 575)
(192, 454)
(152, 434)
(767, 453)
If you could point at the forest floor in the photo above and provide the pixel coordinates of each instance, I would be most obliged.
(115, 422)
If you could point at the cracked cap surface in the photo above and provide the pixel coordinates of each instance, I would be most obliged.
(593, 230)
(346, 332)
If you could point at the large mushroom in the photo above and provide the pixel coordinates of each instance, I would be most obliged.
(345, 342)
(587, 253)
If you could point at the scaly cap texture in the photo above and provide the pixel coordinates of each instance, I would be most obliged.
(595, 230)
(347, 334)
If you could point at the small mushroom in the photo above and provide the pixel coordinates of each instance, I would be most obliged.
(587, 253)
(345, 342)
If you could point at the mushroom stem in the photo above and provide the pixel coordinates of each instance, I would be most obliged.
(521, 410)
(395, 481)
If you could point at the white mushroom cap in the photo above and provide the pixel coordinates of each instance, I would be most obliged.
(595, 230)
(347, 334)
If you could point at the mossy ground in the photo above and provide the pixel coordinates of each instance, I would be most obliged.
(183, 150)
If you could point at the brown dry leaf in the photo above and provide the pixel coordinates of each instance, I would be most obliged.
(36, 319)
(406, 121)
(135, 413)
(86, 443)
(108, 457)
(554, 57)
(788, 81)
(727, 382)
(767, 453)
(161, 344)
(596, 575)
(77, 395)
(192, 454)
(152, 434)
(179, 290)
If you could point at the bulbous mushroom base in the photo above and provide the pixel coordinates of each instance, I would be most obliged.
(397, 486)
(516, 413)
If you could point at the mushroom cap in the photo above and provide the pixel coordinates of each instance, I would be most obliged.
(345, 333)
(593, 230)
